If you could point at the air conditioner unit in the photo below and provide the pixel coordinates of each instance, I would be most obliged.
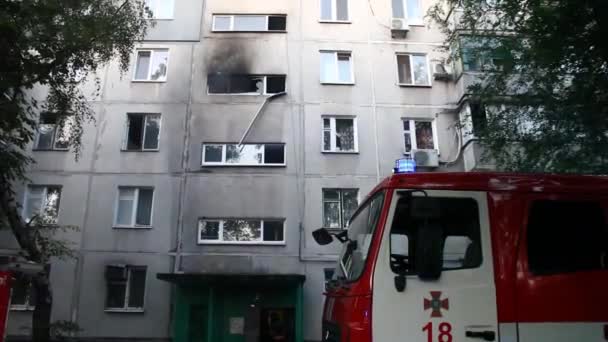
(440, 72)
(426, 158)
(399, 27)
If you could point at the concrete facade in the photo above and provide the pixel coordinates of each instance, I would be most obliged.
(184, 191)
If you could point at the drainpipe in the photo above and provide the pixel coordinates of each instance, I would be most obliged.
(255, 117)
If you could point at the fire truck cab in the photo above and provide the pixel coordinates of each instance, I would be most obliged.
(455, 257)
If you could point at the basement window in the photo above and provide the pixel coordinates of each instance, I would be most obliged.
(143, 131)
(245, 155)
(241, 231)
(249, 23)
(125, 288)
(219, 83)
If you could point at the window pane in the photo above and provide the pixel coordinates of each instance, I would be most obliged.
(222, 23)
(144, 207)
(406, 125)
(274, 154)
(328, 65)
(249, 23)
(209, 230)
(159, 65)
(213, 153)
(344, 67)
(46, 132)
(51, 205)
(33, 201)
(64, 133)
(152, 131)
(331, 215)
(404, 69)
(143, 65)
(342, 9)
(277, 23)
(326, 123)
(345, 135)
(273, 230)
(275, 84)
(331, 195)
(135, 134)
(398, 9)
(326, 10)
(165, 9)
(125, 207)
(242, 230)
(424, 135)
(421, 73)
(326, 140)
(408, 142)
(413, 11)
(137, 287)
(20, 290)
(246, 154)
(349, 204)
(115, 297)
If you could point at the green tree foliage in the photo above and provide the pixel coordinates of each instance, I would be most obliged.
(48, 50)
(544, 79)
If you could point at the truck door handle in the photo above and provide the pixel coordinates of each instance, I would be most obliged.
(487, 335)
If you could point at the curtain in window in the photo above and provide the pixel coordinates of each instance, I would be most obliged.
(345, 135)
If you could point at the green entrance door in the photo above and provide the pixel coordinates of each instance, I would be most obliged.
(197, 323)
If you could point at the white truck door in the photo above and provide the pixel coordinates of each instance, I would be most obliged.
(458, 307)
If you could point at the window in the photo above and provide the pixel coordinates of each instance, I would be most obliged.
(457, 217)
(485, 53)
(245, 155)
(340, 134)
(151, 65)
(249, 23)
(338, 206)
(361, 229)
(334, 10)
(566, 236)
(42, 204)
(134, 207)
(143, 132)
(479, 118)
(413, 69)
(245, 84)
(125, 287)
(419, 135)
(53, 135)
(241, 231)
(23, 295)
(408, 9)
(161, 9)
(337, 67)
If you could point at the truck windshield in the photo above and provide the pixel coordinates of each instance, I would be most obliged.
(360, 232)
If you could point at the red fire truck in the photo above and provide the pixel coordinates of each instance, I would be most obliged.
(451, 257)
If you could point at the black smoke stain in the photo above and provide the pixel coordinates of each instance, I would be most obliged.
(228, 68)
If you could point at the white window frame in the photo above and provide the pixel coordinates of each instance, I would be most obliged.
(232, 16)
(125, 142)
(264, 87)
(28, 306)
(428, 70)
(410, 21)
(133, 224)
(148, 79)
(335, 67)
(334, 12)
(156, 6)
(332, 130)
(126, 307)
(412, 133)
(225, 163)
(220, 240)
(56, 131)
(42, 200)
(342, 220)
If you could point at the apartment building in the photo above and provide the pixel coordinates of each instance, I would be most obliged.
(240, 128)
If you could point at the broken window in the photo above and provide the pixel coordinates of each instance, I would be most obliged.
(419, 135)
(241, 231)
(339, 134)
(408, 9)
(244, 155)
(134, 207)
(249, 23)
(338, 206)
(413, 69)
(334, 10)
(219, 83)
(23, 295)
(161, 9)
(126, 287)
(42, 203)
(53, 135)
(336, 67)
(143, 132)
(151, 65)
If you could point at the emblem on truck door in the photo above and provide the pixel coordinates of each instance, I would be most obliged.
(436, 304)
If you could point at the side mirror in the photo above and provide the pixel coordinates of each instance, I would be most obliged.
(429, 252)
(322, 236)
